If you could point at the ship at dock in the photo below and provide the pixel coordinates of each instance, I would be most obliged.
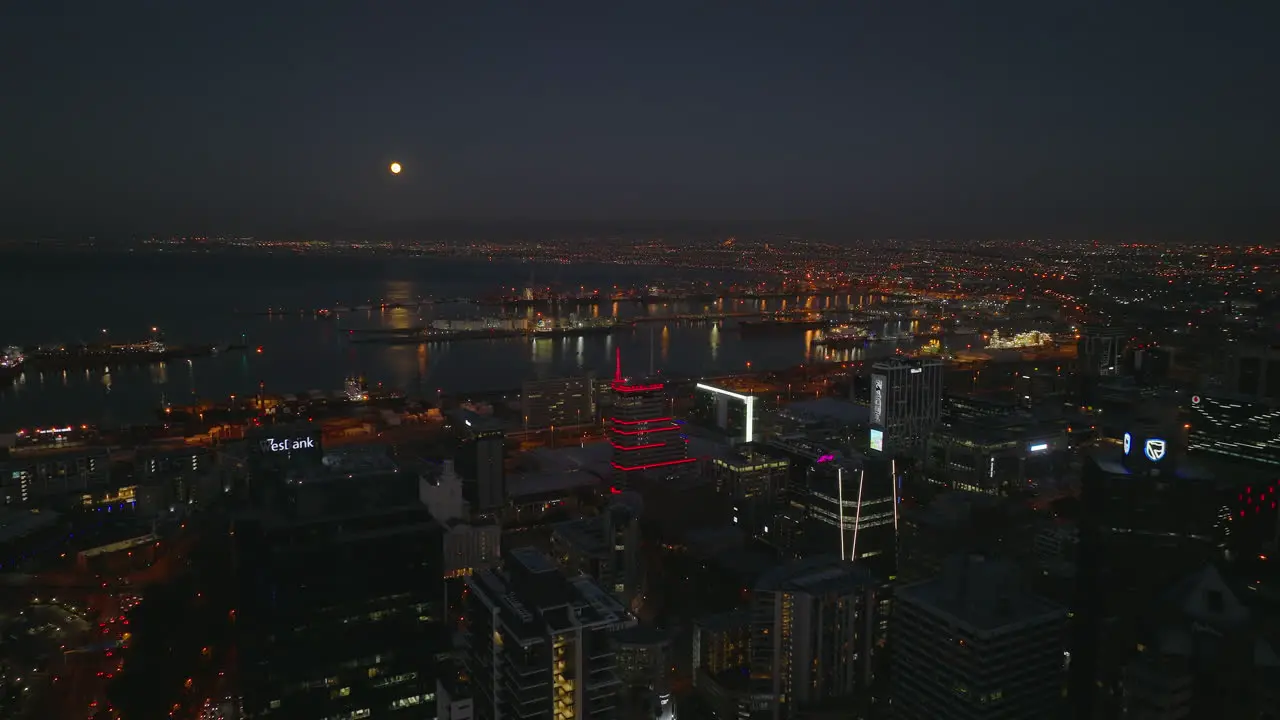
(784, 323)
(11, 361)
(844, 336)
(488, 329)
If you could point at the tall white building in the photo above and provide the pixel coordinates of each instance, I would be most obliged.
(906, 403)
(972, 643)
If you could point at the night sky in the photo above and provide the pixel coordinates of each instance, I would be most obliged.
(877, 118)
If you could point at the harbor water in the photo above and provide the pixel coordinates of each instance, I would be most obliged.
(218, 299)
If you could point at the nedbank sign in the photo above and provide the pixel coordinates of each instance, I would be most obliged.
(287, 445)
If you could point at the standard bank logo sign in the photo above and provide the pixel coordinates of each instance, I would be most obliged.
(273, 445)
(1155, 450)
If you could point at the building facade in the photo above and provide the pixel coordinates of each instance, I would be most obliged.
(339, 591)
(728, 413)
(755, 483)
(1249, 431)
(605, 547)
(1100, 350)
(647, 442)
(999, 456)
(972, 643)
(538, 644)
(906, 404)
(817, 634)
(558, 402)
(479, 461)
(56, 478)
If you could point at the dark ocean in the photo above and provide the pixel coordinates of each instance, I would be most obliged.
(206, 299)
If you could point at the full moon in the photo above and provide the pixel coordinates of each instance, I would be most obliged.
(395, 168)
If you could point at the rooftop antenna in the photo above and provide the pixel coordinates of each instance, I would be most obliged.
(617, 366)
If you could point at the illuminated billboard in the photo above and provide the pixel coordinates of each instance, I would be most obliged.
(285, 445)
(877, 399)
(877, 440)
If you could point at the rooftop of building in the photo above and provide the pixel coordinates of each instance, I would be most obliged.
(830, 410)
(591, 457)
(1203, 599)
(588, 534)
(985, 594)
(16, 524)
(639, 634)
(953, 509)
(1014, 427)
(292, 429)
(745, 457)
(720, 622)
(474, 420)
(803, 445)
(1110, 459)
(347, 463)
(902, 363)
(817, 575)
(172, 451)
(529, 485)
(536, 599)
(53, 453)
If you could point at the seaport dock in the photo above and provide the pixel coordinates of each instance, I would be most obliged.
(89, 356)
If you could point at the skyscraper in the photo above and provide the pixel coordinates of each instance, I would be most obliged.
(728, 413)
(817, 631)
(972, 643)
(1101, 349)
(906, 403)
(1200, 653)
(1148, 517)
(646, 440)
(479, 460)
(538, 642)
(338, 590)
(605, 547)
(559, 402)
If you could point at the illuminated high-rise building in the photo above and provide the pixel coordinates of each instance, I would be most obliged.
(1101, 350)
(818, 629)
(906, 404)
(538, 642)
(647, 442)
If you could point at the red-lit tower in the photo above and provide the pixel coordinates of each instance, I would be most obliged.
(646, 440)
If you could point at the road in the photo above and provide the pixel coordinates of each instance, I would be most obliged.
(91, 659)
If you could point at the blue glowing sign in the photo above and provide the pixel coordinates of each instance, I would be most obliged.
(1155, 449)
(1128, 442)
